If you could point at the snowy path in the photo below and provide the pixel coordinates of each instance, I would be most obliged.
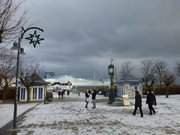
(71, 118)
(6, 112)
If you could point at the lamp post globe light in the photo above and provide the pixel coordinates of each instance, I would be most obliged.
(111, 74)
(33, 39)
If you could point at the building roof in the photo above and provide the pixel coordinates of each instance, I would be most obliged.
(128, 78)
(59, 83)
(33, 80)
(131, 82)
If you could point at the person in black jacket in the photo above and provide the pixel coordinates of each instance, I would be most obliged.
(59, 94)
(151, 100)
(94, 99)
(87, 94)
(138, 103)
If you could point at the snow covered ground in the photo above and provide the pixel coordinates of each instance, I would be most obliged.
(6, 112)
(71, 118)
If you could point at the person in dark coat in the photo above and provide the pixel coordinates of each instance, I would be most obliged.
(138, 103)
(151, 100)
(68, 92)
(87, 94)
(62, 93)
(59, 94)
(94, 99)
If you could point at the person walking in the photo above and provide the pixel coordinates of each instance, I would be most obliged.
(151, 100)
(62, 94)
(68, 92)
(94, 99)
(78, 93)
(59, 94)
(138, 103)
(87, 94)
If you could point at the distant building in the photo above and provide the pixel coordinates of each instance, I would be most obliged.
(37, 88)
(127, 85)
(58, 86)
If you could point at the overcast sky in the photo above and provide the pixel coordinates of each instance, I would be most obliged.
(81, 36)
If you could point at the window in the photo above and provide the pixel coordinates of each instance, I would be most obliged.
(34, 93)
(23, 93)
(40, 93)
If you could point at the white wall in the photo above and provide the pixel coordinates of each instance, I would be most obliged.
(37, 93)
(20, 93)
(31, 93)
(128, 89)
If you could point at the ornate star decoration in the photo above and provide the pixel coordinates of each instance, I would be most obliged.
(34, 38)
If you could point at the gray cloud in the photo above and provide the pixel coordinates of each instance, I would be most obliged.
(82, 35)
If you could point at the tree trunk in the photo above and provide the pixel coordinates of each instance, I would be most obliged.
(0, 36)
(28, 94)
(5, 89)
(4, 95)
(167, 92)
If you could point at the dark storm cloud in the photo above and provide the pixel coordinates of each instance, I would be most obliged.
(82, 35)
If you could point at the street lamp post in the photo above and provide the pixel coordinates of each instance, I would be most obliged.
(33, 39)
(111, 74)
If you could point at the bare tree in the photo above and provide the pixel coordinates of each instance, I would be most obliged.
(126, 70)
(10, 23)
(29, 68)
(160, 67)
(148, 73)
(26, 71)
(168, 79)
(7, 69)
(178, 69)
